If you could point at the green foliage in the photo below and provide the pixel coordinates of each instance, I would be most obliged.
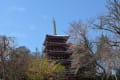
(43, 69)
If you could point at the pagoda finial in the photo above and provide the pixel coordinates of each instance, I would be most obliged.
(54, 27)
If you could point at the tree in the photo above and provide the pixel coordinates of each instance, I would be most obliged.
(110, 23)
(6, 47)
(19, 60)
(83, 60)
(16, 63)
(111, 20)
(107, 57)
(43, 69)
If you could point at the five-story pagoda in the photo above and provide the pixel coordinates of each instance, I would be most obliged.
(56, 48)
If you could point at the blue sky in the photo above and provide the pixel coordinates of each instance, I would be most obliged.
(30, 20)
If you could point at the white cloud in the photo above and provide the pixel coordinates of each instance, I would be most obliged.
(16, 9)
(17, 35)
(21, 9)
(32, 27)
(44, 17)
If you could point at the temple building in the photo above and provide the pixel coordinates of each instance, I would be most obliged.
(56, 48)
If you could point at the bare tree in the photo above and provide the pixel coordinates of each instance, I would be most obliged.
(111, 20)
(18, 63)
(6, 46)
(107, 56)
(82, 57)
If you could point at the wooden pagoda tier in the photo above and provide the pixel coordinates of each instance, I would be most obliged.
(56, 48)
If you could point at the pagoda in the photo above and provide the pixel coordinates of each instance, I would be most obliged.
(56, 48)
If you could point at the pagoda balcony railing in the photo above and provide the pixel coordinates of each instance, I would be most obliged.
(58, 51)
(55, 43)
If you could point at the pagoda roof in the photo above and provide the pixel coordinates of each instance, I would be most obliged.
(48, 37)
(58, 36)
